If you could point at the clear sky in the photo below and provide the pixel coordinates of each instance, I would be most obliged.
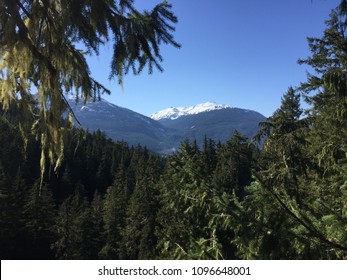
(242, 53)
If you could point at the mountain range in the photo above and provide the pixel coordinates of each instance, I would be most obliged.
(165, 130)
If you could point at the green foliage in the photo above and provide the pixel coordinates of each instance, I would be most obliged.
(11, 223)
(39, 214)
(115, 203)
(39, 53)
(77, 231)
(198, 208)
(294, 210)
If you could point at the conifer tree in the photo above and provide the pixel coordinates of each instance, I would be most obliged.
(234, 166)
(13, 237)
(266, 230)
(138, 237)
(11, 155)
(326, 92)
(285, 144)
(192, 224)
(304, 163)
(209, 156)
(97, 226)
(175, 226)
(38, 216)
(114, 211)
(75, 229)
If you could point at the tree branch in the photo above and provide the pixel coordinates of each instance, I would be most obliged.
(311, 229)
(24, 10)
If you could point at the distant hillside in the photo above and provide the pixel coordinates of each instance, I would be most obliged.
(165, 134)
(217, 124)
(121, 124)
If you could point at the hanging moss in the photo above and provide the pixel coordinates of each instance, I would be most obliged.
(39, 56)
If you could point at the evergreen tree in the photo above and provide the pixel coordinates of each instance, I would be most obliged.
(209, 156)
(76, 235)
(138, 237)
(13, 239)
(328, 119)
(193, 217)
(304, 163)
(175, 226)
(38, 216)
(285, 145)
(271, 227)
(114, 211)
(234, 166)
(97, 226)
(12, 151)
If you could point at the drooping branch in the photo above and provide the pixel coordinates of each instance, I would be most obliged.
(24, 9)
(315, 232)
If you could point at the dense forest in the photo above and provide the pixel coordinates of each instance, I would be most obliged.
(280, 195)
(219, 201)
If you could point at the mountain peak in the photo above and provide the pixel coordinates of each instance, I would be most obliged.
(176, 112)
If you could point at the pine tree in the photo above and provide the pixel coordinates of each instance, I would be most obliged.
(11, 151)
(285, 144)
(39, 53)
(175, 226)
(75, 230)
(266, 229)
(114, 212)
(97, 226)
(192, 224)
(38, 216)
(296, 207)
(138, 237)
(209, 156)
(327, 93)
(13, 239)
(234, 166)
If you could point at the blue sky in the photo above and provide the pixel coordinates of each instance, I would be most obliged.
(236, 52)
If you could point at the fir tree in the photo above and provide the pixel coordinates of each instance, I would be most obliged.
(303, 164)
(138, 237)
(13, 237)
(285, 145)
(38, 216)
(233, 170)
(192, 219)
(76, 236)
(114, 211)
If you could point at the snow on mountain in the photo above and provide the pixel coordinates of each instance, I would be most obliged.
(91, 106)
(166, 129)
(176, 112)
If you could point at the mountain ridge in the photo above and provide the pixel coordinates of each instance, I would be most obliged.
(166, 134)
(176, 112)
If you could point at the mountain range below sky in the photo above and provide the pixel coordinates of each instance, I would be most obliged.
(165, 130)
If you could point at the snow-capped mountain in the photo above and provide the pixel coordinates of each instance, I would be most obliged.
(90, 106)
(176, 112)
(168, 128)
(218, 125)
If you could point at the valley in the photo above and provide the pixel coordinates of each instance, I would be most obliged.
(165, 130)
